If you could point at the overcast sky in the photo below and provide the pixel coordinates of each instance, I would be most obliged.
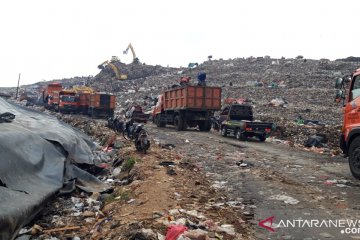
(47, 40)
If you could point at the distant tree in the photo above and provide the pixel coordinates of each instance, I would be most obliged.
(299, 57)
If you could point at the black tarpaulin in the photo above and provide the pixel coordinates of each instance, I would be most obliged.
(37, 153)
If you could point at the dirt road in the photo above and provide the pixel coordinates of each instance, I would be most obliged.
(278, 181)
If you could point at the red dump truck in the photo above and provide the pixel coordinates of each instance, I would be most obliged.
(84, 100)
(187, 106)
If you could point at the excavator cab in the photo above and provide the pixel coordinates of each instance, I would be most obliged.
(114, 59)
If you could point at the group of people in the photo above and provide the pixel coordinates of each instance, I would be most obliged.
(185, 80)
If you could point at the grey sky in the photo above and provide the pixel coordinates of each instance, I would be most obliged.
(56, 39)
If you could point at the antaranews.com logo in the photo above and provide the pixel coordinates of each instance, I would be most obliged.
(346, 226)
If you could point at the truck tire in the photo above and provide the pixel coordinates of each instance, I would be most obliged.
(157, 120)
(204, 126)
(354, 157)
(223, 131)
(239, 135)
(262, 138)
(178, 122)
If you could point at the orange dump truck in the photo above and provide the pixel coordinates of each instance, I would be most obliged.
(84, 100)
(187, 106)
(349, 93)
(101, 105)
(68, 101)
(50, 95)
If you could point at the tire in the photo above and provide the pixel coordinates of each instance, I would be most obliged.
(354, 157)
(178, 123)
(262, 138)
(205, 126)
(157, 120)
(223, 131)
(239, 135)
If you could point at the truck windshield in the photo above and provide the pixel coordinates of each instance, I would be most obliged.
(355, 92)
(68, 98)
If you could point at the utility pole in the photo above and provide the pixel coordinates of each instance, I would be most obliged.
(17, 89)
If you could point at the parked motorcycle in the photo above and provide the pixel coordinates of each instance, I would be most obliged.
(139, 135)
(132, 132)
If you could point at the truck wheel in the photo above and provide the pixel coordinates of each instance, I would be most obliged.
(178, 122)
(354, 158)
(239, 135)
(157, 121)
(224, 131)
(204, 126)
(262, 138)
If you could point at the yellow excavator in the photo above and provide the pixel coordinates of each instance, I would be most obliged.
(112, 66)
(135, 59)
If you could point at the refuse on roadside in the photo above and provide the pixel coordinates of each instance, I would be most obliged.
(318, 141)
(285, 199)
(6, 117)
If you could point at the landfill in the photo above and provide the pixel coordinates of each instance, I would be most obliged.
(90, 180)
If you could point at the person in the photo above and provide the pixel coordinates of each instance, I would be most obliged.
(184, 81)
(201, 79)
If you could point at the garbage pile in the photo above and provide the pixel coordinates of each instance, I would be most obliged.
(148, 196)
(279, 89)
(133, 71)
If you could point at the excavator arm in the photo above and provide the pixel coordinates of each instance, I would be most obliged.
(115, 69)
(135, 59)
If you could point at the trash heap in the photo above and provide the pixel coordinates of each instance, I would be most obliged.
(154, 195)
(280, 90)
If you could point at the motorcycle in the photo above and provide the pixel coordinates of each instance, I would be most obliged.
(139, 135)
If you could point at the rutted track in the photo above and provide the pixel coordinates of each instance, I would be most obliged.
(273, 170)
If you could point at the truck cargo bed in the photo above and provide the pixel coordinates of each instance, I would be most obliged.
(193, 97)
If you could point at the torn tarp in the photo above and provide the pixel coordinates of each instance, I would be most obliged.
(37, 153)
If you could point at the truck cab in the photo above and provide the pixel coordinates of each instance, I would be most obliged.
(50, 95)
(68, 101)
(350, 136)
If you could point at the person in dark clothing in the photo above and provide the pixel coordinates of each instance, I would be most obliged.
(201, 79)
